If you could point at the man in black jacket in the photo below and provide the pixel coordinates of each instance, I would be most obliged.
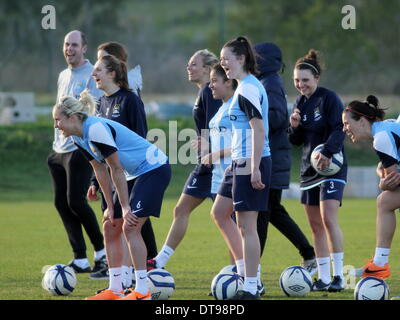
(269, 63)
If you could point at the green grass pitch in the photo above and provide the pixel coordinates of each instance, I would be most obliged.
(32, 236)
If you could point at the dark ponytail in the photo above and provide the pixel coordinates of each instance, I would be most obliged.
(242, 46)
(121, 71)
(368, 109)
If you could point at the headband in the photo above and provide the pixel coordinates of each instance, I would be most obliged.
(308, 64)
(348, 108)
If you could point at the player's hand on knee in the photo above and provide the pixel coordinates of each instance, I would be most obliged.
(109, 215)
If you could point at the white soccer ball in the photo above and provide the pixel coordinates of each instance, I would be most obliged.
(161, 284)
(59, 280)
(334, 167)
(225, 285)
(371, 288)
(229, 268)
(295, 281)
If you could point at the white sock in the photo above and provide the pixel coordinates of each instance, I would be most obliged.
(163, 256)
(381, 256)
(99, 254)
(115, 279)
(240, 267)
(250, 285)
(324, 269)
(259, 273)
(337, 263)
(82, 263)
(141, 281)
(126, 276)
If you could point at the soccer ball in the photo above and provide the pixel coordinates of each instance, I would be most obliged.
(59, 280)
(295, 281)
(161, 284)
(334, 167)
(225, 285)
(371, 288)
(229, 268)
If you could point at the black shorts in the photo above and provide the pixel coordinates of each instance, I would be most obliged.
(198, 183)
(237, 185)
(327, 190)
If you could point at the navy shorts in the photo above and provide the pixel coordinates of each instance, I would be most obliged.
(147, 193)
(327, 190)
(237, 185)
(198, 183)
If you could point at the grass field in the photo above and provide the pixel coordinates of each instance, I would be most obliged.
(32, 236)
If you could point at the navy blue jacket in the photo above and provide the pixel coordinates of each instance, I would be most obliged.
(126, 108)
(269, 63)
(321, 123)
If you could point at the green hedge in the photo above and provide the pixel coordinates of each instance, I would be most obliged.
(24, 148)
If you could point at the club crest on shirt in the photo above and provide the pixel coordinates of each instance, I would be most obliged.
(317, 114)
(116, 110)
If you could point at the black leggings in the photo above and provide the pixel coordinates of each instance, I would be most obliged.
(281, 220)
(71, 174)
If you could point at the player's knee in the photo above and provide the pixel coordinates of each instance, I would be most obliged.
(180, 212)
(317, 227)
(130, 230)
(329, 223)
(217, 216)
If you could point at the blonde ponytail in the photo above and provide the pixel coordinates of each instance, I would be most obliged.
(83, 107)
(88, 102)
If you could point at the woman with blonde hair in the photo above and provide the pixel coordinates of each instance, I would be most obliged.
(114, 151)
(198, 184)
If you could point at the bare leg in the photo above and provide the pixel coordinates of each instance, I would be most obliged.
(221, 213)
(318, 231)
(137, 247)
(387, 203)
(329, 212)
(247, 223)
(182, 210)
(113, 242)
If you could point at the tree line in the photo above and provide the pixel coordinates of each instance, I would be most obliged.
(161, 35)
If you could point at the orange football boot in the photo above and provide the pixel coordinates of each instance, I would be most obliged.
(106, 295)
(134, 295)
(372, 270)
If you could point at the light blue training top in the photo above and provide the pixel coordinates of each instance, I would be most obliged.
(221, 138)
(386, 142)
(102, 137)
(250, 100)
